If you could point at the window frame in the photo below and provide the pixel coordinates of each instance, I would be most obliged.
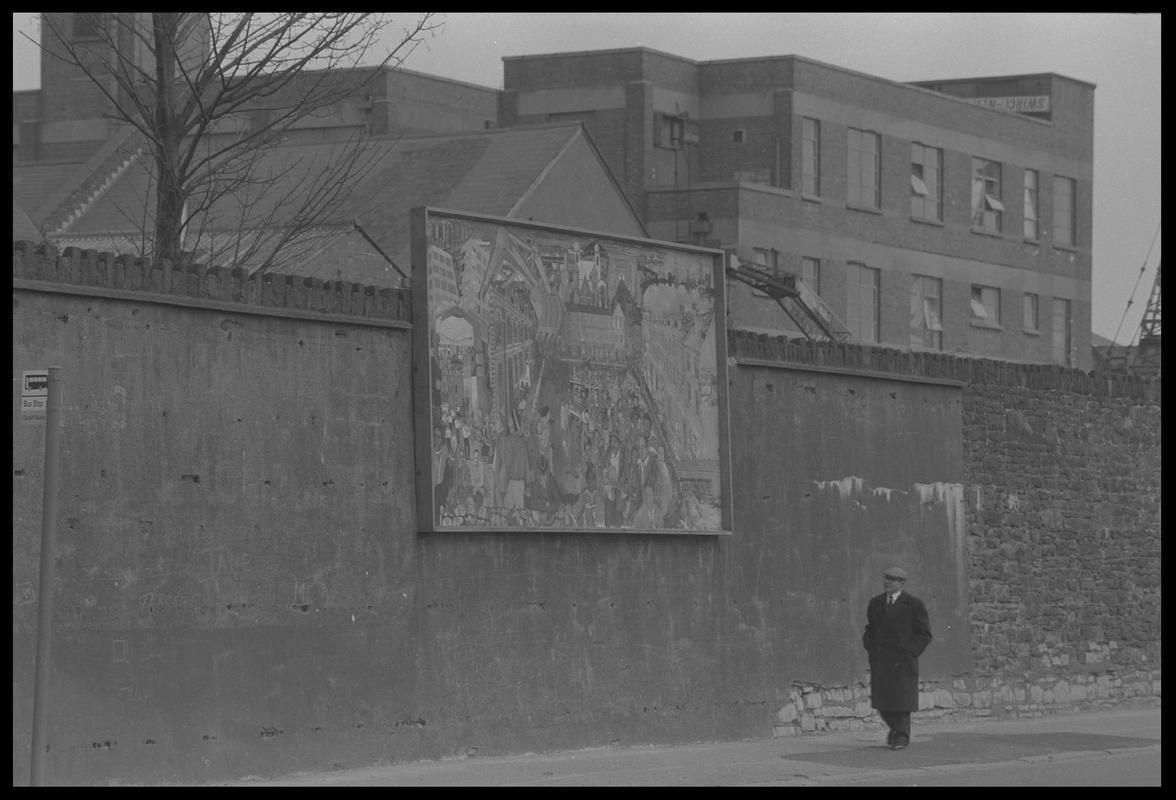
(930, 335)
(987, 204)
(1031, 201)
(815, 283)
(855, 271)
(933, 190)
(772, 267)
(669, 132)
(1066, 333)
(1031, 324)
(1071, 226)
(991, 317)
(857, 170)
(810, 163)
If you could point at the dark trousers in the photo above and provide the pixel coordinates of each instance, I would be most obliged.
(899, 723)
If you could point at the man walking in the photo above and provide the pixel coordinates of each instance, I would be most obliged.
(897, 632)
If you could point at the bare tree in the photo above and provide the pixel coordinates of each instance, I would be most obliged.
(208, 96)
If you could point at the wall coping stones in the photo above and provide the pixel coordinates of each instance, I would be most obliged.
(89, 272)
(760, 349)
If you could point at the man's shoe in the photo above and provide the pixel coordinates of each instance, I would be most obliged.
(898, 746)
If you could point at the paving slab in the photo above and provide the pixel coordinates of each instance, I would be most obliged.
(782, 761)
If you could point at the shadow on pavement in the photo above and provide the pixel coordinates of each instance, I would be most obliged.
(967, 748)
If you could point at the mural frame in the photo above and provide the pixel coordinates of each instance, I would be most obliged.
(539, 392)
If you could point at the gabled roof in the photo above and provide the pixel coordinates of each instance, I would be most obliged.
(23, 227)
(34, 185)
(486, 172)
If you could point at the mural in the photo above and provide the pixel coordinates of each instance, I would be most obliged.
(574, 380)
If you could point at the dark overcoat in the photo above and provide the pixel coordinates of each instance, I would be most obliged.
(895, 637)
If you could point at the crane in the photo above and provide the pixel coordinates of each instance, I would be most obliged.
(1140, 358)
(1147, 356)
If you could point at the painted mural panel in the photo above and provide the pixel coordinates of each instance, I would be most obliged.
(570, 381)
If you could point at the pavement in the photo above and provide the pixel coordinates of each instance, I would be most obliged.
(810, 760)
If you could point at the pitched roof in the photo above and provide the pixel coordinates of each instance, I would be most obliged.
(486, 172)
(23, 227)
(33, 185)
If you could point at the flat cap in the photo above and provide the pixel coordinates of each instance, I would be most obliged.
(895, 572)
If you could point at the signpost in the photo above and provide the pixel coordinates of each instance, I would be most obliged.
(34, 395)
(42, 390)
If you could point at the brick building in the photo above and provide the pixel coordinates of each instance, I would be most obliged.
(950, 216)
(945, 216)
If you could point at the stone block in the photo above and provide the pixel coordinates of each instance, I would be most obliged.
(812, 700)
(787, 714)
(926, 700)
(943, 699)
(808, 723)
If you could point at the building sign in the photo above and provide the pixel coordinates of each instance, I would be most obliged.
(567, 380)
(1034, 104)
(34, 395)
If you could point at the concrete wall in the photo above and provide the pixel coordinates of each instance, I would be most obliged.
(241, 589)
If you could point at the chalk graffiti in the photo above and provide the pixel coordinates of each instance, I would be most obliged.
(155, 602)
(221, 560)
(23, 594)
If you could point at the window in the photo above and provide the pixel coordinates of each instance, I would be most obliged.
(1031, 204)
(87, 25)
(926, 306)
(810, 273)
(739, 136)
(862, 302)
(767, 260)
(810, 134)
(986, 206)
(1061, 331)
(926, 182)
(1063, 211)
(986, 306)
(668, 132)
(1029, 319)
(864, 169)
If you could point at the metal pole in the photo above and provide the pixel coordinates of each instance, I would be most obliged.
(45, 590)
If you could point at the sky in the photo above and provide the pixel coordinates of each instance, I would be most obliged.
(1120, 53)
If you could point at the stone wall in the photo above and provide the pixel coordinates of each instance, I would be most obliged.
(1062, 488)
